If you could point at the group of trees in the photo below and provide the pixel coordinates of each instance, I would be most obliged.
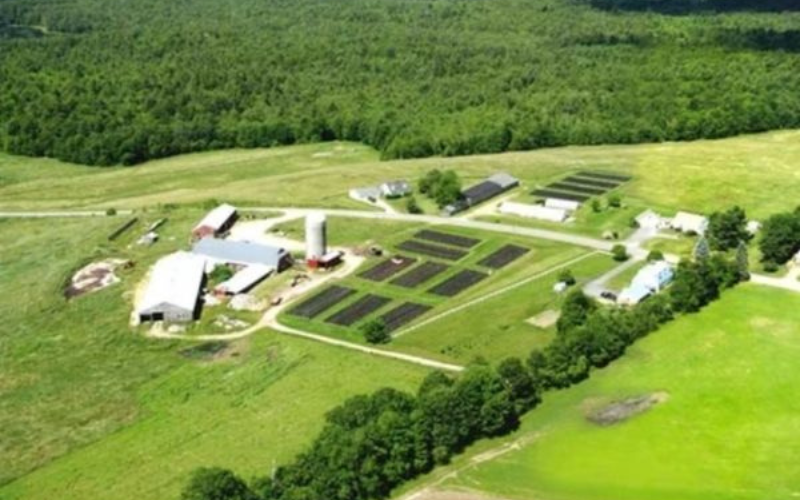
(371, 444)
(102, 85)
(442, 187)
(780, 238)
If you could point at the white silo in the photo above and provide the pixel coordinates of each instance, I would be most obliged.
(315, 236)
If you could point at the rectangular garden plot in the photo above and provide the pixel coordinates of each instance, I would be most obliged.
(458, 283)
(503, 257)
(322, 301)
(420, 274)
(403, 314)
(606, 175)
(548, 193)
(432, 250)
(360, 308)
(447, 239)
(578, 189)
(593, 182)
(388, 268)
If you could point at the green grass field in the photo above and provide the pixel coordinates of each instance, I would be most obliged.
(728, 430)
(758, 172)
(89, 408)
(467, 334)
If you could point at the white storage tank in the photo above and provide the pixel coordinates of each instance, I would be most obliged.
(316, 237)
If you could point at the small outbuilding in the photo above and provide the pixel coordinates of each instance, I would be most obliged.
(244, 280)
(562, 204)
(395, 189)
(216, 222)
(533, 211)
(242, 253)
(753, 227)
(173, 292)
(686, 222)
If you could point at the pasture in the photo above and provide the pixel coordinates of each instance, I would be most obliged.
(757, 172)
(726, 427)
(89, 408)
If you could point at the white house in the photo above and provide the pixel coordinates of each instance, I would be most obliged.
(395, 189)
(533, 211)
(650, 220)
(650, 279)
(633, 294)
(561, 204)
(689, 223)
(655, 275)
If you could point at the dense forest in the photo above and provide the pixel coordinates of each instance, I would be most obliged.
(105, 82)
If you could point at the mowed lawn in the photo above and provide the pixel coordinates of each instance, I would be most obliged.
(89, 408)
(758, 172)
(728, 430)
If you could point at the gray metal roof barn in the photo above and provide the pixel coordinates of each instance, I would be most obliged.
(242, 253)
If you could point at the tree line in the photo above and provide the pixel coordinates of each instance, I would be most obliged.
(104, 83)
(372, 444)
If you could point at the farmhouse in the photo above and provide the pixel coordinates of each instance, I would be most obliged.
(395, 189)
(533, 211)
(215, 222)
(242, 253)
(562, 204)
(174, 289)
(650, 220)
(686, 222)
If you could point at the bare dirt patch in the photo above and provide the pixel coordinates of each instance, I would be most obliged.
(94, 277)
(216, 350)
(620, 411)
(545, 319)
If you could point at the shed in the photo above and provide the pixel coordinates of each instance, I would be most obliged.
(215, 222)
(562, 204)
(173, 292)
(533, 211)
(753, 227)
(242, 253)
(245, 279)
(689, 223)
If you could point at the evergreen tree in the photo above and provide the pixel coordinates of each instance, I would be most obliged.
(743, 261)
(701, 250)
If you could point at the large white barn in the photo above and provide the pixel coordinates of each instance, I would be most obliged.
(533, 211)
(173, 292)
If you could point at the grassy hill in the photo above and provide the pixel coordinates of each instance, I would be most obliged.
(726, 429)
(758, 172)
